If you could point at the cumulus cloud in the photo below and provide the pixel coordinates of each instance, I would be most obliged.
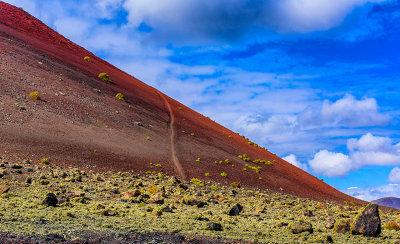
(306, 16)
(230, 19)
(331, 164)
(293, 160)
(370, 194)
(374, 150)
(347, 111)
(368, 150)
(394, 175)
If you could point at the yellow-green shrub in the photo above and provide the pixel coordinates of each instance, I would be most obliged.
(105, 77)
(120, 96)
(35, 95)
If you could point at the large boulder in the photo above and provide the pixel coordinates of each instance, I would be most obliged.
(368, 222)
(301, 226)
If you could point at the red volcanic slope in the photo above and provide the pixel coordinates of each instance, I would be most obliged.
(74, 124)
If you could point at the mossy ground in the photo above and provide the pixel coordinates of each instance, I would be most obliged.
(90, 201)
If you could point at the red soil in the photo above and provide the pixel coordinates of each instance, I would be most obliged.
(75, 125)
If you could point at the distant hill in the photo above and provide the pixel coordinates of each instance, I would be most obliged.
(392, 202)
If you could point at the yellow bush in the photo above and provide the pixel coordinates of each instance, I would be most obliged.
(105, 77)
(120, 96)
(87, 58)
(45, 161)
(392, 226)
(35, 95)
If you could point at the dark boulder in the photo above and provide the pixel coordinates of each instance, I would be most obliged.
(214, 226)
(235, 210)
(51, 200)
(368, 222)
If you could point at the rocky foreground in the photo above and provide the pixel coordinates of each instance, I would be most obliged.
(41, 203)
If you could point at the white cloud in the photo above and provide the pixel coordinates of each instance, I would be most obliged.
(293, 160)
(368, 150)
(306, 16)
(346, 111)
(330, 164)
(370, 194)
(374, 150)
(394, 175)
(235, 17)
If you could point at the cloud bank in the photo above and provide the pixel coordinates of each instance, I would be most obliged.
(368, 150)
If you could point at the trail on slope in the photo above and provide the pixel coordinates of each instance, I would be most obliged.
(172, 137)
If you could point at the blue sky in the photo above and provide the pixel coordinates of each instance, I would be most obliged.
(316, 82)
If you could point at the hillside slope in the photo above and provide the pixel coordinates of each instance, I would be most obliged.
(79, 122)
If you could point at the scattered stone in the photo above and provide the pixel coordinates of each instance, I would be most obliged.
(62, 199)
(342, 226)
(300, 227)
(53, 238)
(4, 189)
(157, 198)
(167, 209)
(194, 202)
(330, 223)
(174, 181)
(29, 180)
(308, 213)
(16, 166)
(100, 207)
(130, 194)
(329, 239)
(109, 212)
(44, 182)
(368, 222)
(77, 194)
(235, 210)
(51, 200)
(183, 186)
(156, 212)
(214, 226)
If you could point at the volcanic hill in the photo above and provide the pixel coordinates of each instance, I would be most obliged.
(78, 121)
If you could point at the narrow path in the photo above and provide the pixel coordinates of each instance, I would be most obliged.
(172, 137)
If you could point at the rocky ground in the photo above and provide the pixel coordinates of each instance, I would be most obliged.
(41, 203)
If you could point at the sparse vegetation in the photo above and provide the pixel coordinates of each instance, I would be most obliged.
(223, 174)
(87, 58)
(120, 96)
(392, 226)
(45, 161)
(105, 77)
(116, 203)
(34, 95)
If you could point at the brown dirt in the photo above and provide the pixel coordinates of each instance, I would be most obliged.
(75, 125)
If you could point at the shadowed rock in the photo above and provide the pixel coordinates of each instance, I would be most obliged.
(368, 222)
(342, 226)
(235, 210)
(214, 226)
(301, 226)
(50, 200)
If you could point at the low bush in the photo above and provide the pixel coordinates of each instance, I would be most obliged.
(34, 95)
(105, 77)
(392, 226)
(235, 184)
(120, 96)
(223, 174)
(45, 161)
(87, 58)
